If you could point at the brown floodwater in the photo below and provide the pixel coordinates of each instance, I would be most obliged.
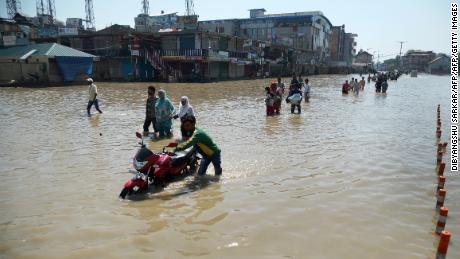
(351, 177)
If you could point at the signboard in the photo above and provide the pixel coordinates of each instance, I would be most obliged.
(134, 52)
(44, 32)
(9, 40)
(64, 31)
(247, 43)
(222, 54)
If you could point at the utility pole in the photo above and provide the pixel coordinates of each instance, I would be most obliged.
(400, 54)
(13, 7)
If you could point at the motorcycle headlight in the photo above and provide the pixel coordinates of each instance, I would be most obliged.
(138, 164)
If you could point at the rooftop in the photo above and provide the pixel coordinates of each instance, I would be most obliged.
(282, 16)
(44, 49)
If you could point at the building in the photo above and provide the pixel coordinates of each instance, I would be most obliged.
(197, 56)
(417, 60)
(13, 33)
(147, 23)
(305, 33)
(363, 57)
(75, 23)
(44, 63)
(119, 49)
(342, 47)
(337, 43)
(439, 65)
(390, 64)
(363, 61)
(349, 48)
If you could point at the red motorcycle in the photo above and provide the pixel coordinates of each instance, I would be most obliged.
(158, 168)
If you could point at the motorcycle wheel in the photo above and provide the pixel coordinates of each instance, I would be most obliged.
(192, 167)
(124, 192)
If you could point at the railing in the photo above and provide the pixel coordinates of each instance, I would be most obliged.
(203, 53)
(235, 54)
(184, 52)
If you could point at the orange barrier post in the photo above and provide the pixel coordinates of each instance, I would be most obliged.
(441, 197)
(441, 168)
(441, 220)
(439, 158)
(444, 147)
(443, 245)
(441, 182)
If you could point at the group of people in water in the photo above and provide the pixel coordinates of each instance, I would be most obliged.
(380, 79)
(160, 113)
(353, 86)
(298, 90)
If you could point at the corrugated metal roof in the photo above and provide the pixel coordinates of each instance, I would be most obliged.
(43, 49)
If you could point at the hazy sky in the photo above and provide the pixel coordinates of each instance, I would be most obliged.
(423, 24)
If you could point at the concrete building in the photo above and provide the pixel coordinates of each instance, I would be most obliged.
(306, 33)
(439, 65)
(390, 64)
(417, 60)
(75, 23)
(342, 46)
(363, 57)
(197, 56)
(43, 64)
(13, 33)
(349, 48)
(147, 23)
(363, 62)
(337, 43)
(119, 49)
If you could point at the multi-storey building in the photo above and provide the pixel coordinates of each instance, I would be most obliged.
(306, 33)
(417, 59)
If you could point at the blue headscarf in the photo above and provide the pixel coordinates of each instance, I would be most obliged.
(164, 109)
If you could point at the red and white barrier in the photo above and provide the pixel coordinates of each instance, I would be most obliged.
(441, 220)
(443, 245)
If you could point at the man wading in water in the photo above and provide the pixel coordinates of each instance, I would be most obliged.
(206, 146)
(92, 89)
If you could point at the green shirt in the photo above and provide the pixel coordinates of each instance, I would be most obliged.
(202, 141)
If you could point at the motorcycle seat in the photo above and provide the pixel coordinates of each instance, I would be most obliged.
(181, 156)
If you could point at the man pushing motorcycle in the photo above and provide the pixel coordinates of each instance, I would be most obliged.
(206, 146)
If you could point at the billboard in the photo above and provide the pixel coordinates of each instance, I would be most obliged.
(9, 40)
(64, 31)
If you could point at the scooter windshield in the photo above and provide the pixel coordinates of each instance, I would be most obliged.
(143, 153)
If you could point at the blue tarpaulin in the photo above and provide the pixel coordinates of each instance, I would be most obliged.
(70, 67)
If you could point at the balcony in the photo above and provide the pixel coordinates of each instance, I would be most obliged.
(200, 54)
(236, 54)
(184, 53)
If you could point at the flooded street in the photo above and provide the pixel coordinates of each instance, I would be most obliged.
(351, 177)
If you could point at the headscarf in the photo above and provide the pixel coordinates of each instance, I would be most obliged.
(186, 108)
(163, 108)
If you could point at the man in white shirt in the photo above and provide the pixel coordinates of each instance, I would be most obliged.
(306, 91)
(92, 89)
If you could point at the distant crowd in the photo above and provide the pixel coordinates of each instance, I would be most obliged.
(298, 89)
